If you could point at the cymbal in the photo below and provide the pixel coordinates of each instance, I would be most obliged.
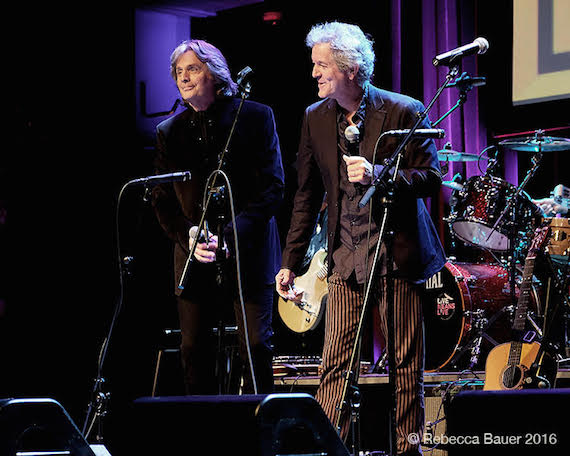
(454, 156)
(453, 185)
(536, 144)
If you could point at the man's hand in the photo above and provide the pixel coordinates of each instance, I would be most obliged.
(206, 251)
(284, 284)
(359, 169)
(550, 207)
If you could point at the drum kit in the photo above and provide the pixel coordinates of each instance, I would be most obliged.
(471, 305)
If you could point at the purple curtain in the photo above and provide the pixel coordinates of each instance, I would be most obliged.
(444, 27)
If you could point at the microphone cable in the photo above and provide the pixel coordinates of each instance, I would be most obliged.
(97, 394)
(211, 177)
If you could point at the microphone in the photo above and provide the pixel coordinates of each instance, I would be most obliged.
(467, 82)
(243, 74)
(181, 176)
(419, 133)
(352, 135)
(449, 58)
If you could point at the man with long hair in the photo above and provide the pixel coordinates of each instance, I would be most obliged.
(194, 140)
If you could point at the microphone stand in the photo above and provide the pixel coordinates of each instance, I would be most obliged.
(218, 198)
(99, 402)
(245, 91)
(186, 271)
(386, 236)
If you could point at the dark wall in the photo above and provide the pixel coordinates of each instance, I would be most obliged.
(68, 146)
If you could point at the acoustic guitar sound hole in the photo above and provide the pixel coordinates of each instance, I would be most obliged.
(512, 376)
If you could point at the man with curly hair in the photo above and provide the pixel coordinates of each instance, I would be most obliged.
(329, 159)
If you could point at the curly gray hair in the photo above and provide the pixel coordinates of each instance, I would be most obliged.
(214, 60)
(349, 46)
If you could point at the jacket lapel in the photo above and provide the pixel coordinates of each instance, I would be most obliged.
(373, 124)
(329, 142)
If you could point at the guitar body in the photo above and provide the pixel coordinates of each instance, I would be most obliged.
(522, 364)
(499, 375)
(497, 366)
(306, 315)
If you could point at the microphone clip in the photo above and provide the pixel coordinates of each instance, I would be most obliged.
(465, 82)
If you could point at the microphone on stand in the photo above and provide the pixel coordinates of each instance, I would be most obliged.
(242, 80)
(450, 58)
(181, 176)
(243, 74)
(419, 133)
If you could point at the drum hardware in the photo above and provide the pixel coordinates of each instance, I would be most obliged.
(533, 323)
(381, 364)
(513, 198)
(445, 165)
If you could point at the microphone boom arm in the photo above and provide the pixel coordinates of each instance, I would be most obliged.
(421, 116)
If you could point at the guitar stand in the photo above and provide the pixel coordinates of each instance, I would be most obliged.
(481, 324)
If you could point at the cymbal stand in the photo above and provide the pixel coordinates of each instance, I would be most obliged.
(514, 197)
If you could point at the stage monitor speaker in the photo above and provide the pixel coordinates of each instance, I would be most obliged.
(256, 425)
(39, 425)
(521, 422)
(295, 424)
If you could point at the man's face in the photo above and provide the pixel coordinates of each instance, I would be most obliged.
(194, 80)
(332, 82)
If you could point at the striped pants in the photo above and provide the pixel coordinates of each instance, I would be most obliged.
(343, 310)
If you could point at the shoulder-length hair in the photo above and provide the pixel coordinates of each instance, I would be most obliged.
(214, 60)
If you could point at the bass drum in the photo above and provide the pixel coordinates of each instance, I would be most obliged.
(459, 298)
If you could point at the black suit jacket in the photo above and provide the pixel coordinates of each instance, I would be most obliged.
(253, 165)
(418, 253)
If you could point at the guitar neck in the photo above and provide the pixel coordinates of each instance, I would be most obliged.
(524, 297)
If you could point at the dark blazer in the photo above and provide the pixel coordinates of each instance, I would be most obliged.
(418, 253)
(253, 165)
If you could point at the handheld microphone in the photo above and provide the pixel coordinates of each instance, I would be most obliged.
(352, 135)
(181, 176)
(419, 133)
(449, 58)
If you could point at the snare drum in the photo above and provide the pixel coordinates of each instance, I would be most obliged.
(456, 297)
(480, 204)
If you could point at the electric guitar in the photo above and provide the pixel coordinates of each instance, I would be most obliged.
(515, 365)
(305, 313)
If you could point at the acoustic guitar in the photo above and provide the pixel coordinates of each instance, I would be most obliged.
(305, 313)
(514, 365)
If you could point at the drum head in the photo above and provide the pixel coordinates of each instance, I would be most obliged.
(443, 319)
(481, 235)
